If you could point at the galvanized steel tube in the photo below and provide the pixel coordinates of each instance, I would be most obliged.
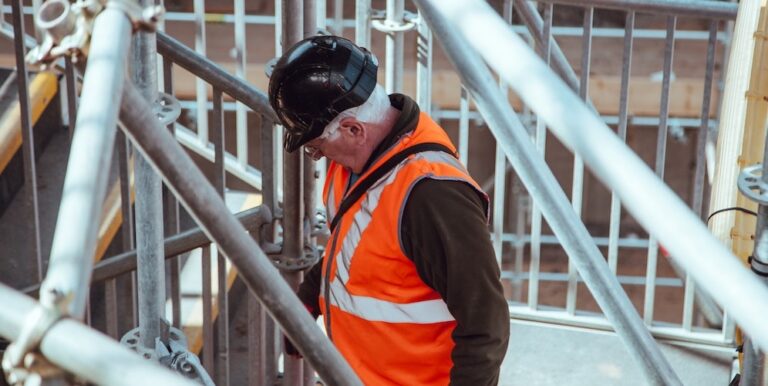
(208, 209)
(393, 78)
(654, 204)
(338, 17)
(201, 91)
(700, 8)
(293, 189)
(531, 18)
(532, 170)
(172, 220)
(424, 68)
(252, 220)
(241, 116)
(77, 225)
(214, 75)
(28, 137)
(626, 69)
(149, 202)
(83, 351)
(363, 23)
(218, 135)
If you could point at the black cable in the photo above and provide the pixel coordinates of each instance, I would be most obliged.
(740, 209)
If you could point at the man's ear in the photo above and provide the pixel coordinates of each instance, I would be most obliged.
(355, 129)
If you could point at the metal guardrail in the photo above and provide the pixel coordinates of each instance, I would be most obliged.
(530, 166)
(703, 256)
(518, 236)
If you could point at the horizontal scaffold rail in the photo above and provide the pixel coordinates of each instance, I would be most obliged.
(707, 9)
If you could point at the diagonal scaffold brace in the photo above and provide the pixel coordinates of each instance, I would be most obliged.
(207, 208)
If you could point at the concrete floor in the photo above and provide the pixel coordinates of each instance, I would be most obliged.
(16, 225)
(541, 355)
(544, 355)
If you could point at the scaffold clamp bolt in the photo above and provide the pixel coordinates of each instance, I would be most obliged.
(21, 364)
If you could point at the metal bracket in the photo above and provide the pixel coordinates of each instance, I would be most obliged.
(68, 26)
(751, 184)
(380, 23)
(167, 108)
(310, 258)
(143, 19)
(169, 334)
(178, 358)
(174, 355)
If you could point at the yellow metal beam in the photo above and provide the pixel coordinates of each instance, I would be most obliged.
(42, 89)
(111, 215)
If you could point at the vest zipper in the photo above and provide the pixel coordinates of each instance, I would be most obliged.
(331, 257)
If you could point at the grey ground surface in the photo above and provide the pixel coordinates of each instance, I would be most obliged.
(16, 222)
(543, 355)
(549, 355)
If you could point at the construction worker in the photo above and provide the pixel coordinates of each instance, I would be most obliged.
(409, 284)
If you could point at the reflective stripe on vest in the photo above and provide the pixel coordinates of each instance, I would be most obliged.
(368, 308)
(375, 310)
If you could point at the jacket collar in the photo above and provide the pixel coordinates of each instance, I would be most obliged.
(406, 123)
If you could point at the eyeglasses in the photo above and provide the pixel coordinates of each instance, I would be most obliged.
(313, 151)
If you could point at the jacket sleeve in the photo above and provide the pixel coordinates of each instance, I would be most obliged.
(444, 233)
(309, 289)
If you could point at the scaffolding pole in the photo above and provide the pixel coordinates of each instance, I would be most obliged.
(655, 206)
(699, 8)
(149, 204)
(208, 209)
(310, 175)
(539, 180)
(293, 194)
(77, 225)
(214, 75)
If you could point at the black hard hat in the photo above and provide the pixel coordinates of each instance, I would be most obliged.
(317, 79)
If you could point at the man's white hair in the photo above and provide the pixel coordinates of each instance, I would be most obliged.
(373, 111)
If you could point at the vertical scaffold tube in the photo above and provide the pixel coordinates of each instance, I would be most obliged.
(77, 225)
(394, 47)
(293, 194)
(149, 203)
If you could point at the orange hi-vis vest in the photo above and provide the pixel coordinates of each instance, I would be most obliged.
(391, 327)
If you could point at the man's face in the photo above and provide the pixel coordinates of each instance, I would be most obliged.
(337, 143)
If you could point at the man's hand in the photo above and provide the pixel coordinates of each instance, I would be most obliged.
(290, 349)
(288, 346)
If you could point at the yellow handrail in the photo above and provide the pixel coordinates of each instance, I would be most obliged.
(42, 89)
